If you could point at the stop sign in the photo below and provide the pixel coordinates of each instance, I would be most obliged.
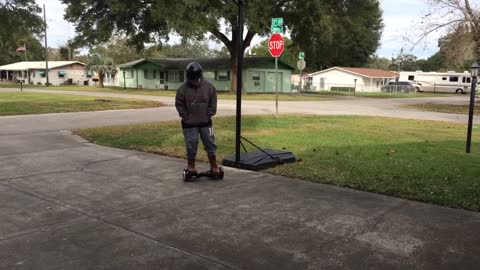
(276, 45)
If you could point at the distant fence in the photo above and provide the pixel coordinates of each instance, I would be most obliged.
(352, 88)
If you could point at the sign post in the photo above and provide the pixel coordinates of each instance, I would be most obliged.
(301, 64)
(276, 46)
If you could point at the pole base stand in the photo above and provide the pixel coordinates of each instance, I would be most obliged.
(260, 160)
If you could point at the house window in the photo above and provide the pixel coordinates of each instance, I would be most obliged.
(128, 74)
(411, 78)
(42, 74)
(256, 76)
(453, 79)
(175, 76)
(222, 75)
(149, 74)
(61, 74)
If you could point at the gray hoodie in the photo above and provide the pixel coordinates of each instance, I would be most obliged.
(196, 104)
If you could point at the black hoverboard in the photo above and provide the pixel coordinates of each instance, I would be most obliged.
(189, 176)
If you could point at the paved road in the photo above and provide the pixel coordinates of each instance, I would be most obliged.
(69, 204)
(360, 106)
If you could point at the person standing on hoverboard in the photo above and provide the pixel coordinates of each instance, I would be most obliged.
(196, 103)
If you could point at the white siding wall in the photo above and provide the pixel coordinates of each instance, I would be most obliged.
(336, 78)
(77, 76)
(339, 78)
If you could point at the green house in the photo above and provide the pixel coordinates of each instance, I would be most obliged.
(258, 74)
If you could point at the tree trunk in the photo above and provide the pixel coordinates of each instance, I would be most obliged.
(232, 48)
(233, 72)
(100, 79)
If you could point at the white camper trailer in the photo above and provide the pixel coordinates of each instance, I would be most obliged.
(448, 82)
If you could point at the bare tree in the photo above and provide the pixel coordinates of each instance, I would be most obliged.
(451, 16)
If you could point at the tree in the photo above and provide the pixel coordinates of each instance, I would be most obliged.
(223, 52)
(20, 24)
(457, 49)
(355, 26)
(119, 51)
(379, 62)
(454, 16)
(336, 33)
(101, 67)
(405, 62)
(68, 51)
(433, 63)
(186, 49)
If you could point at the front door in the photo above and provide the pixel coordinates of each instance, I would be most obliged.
(271, 82)
(162, 75)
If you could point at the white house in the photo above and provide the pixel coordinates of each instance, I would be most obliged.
(348, 79)
(34, 72)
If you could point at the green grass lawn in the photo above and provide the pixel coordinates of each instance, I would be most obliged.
(18, 103)
(419, 160)
(445, 108)
(309, 96)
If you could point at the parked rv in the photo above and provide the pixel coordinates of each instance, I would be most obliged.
(448, 82)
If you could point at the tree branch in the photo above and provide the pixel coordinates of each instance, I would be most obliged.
(471, 14)
(432, 29)
(221, 36)
(248, 39)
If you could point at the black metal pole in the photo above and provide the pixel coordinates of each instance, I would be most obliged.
(241, 3)
(470, 114)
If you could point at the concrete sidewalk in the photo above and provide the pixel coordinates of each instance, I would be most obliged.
(68, 204)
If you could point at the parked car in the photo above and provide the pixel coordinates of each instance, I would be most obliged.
(417, 86)
(399, 87)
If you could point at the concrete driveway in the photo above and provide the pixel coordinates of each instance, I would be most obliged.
(69, 204)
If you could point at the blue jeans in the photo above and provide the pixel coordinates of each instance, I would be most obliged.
(191, 140)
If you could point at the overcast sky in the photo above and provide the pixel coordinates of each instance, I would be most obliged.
(400, 19)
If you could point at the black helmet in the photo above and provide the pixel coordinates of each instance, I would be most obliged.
(194, 71)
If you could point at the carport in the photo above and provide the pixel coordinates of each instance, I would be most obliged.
(14, 72)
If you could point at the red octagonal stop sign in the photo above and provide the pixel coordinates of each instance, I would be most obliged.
(276, 45)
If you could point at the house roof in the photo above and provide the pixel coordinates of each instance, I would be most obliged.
(38, 65)
(206, 63)
(365, 72)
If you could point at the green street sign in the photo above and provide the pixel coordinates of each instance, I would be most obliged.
(301, 56)
(277, 26)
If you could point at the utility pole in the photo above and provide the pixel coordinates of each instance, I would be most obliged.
(26, 63)
(46, 44)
